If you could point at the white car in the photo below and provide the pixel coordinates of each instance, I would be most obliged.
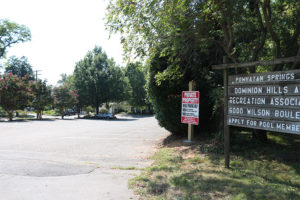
(105, 116)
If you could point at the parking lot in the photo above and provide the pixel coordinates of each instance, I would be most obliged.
(74, 158)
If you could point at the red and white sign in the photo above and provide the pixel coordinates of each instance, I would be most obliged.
(190, 107)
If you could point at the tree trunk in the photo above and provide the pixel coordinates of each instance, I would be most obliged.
(10, 115)
(97, 109)
(62, 113)
(38, 114)
(78, 113)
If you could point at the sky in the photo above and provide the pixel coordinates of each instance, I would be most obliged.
(62, 32)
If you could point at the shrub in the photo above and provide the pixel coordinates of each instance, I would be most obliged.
(103, 110)
(165, 95)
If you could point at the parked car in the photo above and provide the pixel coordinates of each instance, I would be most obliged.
(69, 112)
(105, 116)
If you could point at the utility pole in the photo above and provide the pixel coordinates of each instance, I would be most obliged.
(36, 74)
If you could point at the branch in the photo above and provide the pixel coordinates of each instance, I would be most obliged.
(267, 15)
(228, 32)
(297, 32)
(260, 45)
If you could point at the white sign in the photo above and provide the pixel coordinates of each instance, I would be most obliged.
(190, 107)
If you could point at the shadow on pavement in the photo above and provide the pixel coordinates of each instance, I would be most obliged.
(137, 116)
(112, 120)
(26, 120)
(121, 118)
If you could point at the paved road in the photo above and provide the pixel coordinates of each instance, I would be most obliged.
(74, 159)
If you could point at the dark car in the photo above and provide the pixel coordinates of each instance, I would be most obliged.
(69, 113)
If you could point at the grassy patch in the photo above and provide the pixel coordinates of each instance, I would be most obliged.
(258, 171)
(124, 168)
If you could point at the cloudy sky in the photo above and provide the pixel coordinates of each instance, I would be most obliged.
(63, 31)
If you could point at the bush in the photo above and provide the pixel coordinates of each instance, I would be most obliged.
(52, 112)
(103, 110)
(166, 98)
(2, 112)
(165, 95)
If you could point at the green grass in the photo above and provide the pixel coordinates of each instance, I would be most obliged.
(51, 112)
(257, 171)
(125, 168)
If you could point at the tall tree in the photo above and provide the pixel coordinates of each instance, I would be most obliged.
(137, 81)
(19, 66)
(118, 84)
(12, 33)
(98, 80)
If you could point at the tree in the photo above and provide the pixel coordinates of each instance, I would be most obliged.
(118, 84)
(15, 93)
(12, 33)
(137, 81)
(98, 80)
(41, 97)
(166, 32)
(66, 80)
(19, 66)
(182, 39)
(64, 98)
(63, 79)
(240, 28)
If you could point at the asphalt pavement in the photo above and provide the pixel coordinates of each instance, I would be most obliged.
(75, 159)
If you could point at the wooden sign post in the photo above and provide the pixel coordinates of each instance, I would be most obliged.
(267, 101)
(226, 127)
(191, 126)
(190, 109)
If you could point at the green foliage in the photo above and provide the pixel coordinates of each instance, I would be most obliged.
(12, 33)
(166, 98)
(64, 98)
(103, 110)
(2, 112)
(137, 81)
(19, 66)
(165, 94)
(15, 92)
(98, 80)
(51, 113)
(41, 97)
(67, 80)
(182, 39)
(89, 109)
